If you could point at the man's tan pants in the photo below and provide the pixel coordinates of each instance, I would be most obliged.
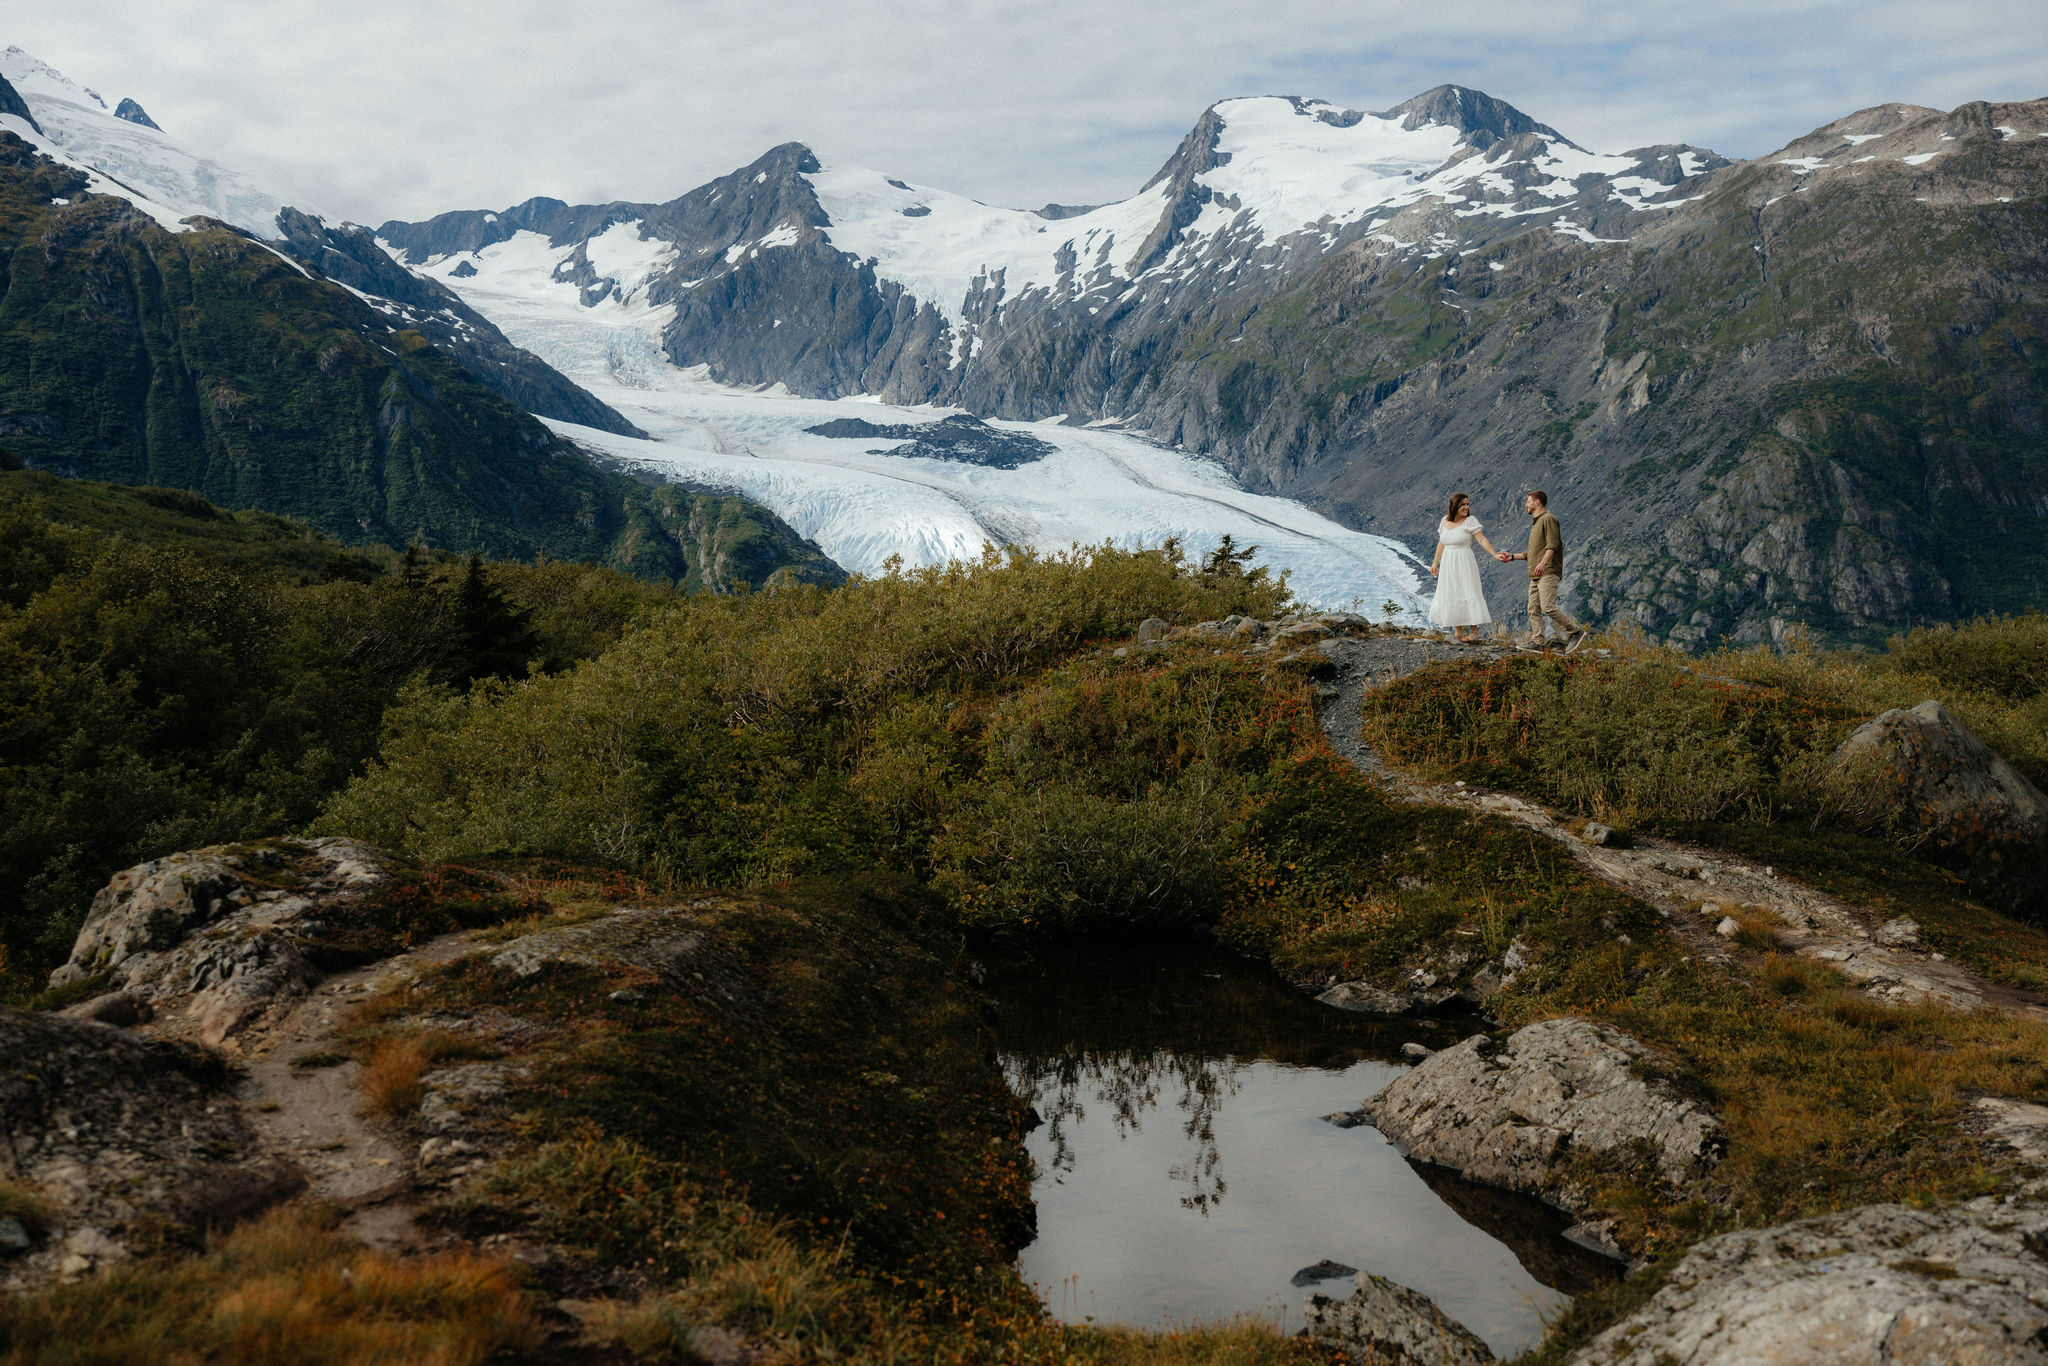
(1543, 603)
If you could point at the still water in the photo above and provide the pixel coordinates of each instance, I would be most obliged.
(1185, 1172)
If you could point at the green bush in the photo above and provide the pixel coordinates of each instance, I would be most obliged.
(2005, 657)
(807, 730)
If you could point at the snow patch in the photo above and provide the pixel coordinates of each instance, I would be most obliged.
(144, 163)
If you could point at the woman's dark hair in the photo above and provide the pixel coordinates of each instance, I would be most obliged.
(1456, 499)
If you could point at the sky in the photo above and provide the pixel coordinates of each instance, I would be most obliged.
(383, 109)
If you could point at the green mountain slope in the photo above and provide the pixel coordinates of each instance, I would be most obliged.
(1815, 395)
(206, 361)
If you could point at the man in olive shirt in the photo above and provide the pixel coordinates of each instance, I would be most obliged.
(1546, 571)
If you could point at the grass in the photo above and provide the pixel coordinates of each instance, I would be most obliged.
(284, 1288)
(393, 1065)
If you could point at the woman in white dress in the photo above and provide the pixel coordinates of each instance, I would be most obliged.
(1460, 600)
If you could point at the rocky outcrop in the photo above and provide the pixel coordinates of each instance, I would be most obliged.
(1880, 1284)
(222, 932)
(1515, 1112)
(1385, 1324)
(661, 942)
(124, 1142)
(1974, 809)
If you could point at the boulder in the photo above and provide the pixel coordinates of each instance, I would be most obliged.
(1512, 1112)
(1153, 629)
(1975, 810)
(1385, 1324)
(226, 926)
(1884, 1283)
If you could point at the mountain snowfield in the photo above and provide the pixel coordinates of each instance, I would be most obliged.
(144, 165)
(1283, 168)
(862, 509)
(861, 504)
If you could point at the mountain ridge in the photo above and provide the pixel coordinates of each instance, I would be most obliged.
(1331, 359)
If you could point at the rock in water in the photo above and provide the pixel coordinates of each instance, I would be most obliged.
(1879, 1284)
(1325, 1270)
(226, 926)
(1384, 1324)
(1978, 812)
(1511, 1112)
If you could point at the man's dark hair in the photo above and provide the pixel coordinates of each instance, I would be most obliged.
(1540, 496)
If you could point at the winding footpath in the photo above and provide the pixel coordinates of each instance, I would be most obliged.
(1693, 887)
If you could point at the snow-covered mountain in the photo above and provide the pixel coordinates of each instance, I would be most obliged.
(930, 296)
(158, 174)
(865, 498)
(128, 156)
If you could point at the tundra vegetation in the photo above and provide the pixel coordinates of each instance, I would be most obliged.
(853, 786)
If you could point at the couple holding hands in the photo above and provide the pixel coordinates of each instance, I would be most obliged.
(1461, 601)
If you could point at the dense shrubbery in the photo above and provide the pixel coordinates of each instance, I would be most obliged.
(154, 698)
(813, 731)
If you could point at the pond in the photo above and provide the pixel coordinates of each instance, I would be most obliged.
(1185, 1171)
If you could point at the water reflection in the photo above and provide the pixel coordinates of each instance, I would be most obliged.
(1185, 1173)
(1128, 1085)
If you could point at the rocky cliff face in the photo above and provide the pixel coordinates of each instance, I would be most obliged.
(207, 361)
(1801, 391)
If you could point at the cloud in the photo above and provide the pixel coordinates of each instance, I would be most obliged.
(384, 109)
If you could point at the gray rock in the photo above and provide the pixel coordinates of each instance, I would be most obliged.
(1385, 1324)
(121, 1139)
(1879, 1284)
(14, 1238)
(1325, 1270)
(1416, 1050)
(1511, 1112)
(1729, 927)
(1898, 933)
(1604, 835)
(1974, 808)
(226, 926)
(658, 941)
(1153, 629)
(1367, 999)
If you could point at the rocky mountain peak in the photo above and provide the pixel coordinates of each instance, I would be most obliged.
(1478, 115)
(11, 102)
(134, 113)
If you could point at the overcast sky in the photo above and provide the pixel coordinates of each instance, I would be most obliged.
(378, 109)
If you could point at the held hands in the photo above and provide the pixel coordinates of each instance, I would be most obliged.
(1502, 556)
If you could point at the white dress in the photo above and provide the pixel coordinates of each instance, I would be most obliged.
(1460, 599)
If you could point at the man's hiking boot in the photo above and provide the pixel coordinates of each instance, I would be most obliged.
(1533, 647)
(1576, 639)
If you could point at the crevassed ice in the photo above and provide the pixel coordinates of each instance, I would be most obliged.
(861, 502)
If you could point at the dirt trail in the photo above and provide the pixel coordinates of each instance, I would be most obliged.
(1695, 887)
(312, 1115)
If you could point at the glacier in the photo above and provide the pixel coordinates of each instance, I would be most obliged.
(864, 505)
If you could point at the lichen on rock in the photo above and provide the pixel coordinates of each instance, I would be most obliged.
(1885, 1283)
(1516, 1112)
(227, 927)
(1384, 1324)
